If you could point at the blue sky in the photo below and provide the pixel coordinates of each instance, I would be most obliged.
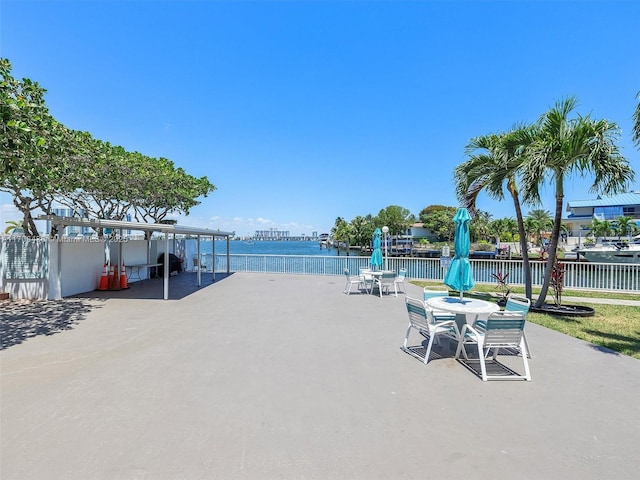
(303, 111)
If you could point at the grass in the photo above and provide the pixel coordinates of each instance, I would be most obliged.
(613, 326)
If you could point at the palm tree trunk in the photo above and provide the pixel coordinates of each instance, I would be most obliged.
(526, 267)
(553, 241)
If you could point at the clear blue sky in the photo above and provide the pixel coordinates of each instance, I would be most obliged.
(303, 111)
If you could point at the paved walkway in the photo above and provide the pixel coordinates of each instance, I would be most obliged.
(276, 376)
(610, 301)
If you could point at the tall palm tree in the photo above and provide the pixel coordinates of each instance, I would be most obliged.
(494, 162)
(565, 146)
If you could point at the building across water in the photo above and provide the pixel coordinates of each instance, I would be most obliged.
(273, 234)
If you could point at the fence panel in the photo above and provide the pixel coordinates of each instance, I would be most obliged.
(578, 275)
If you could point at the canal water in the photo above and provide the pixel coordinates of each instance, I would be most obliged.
(274, 247)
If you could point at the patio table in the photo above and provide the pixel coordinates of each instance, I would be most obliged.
(467, 310)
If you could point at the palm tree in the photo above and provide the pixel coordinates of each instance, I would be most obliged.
(623, 226)
(567, 146)
(479, 229)
(498, 162)
(541, 220)
(600, 228)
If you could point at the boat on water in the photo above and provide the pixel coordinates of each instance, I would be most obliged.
(324, 240)
(616, 252)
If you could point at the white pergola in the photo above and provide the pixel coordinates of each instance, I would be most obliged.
(167, 229)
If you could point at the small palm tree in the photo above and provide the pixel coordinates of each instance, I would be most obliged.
(623, 226)
(600, 228)
(541, 221)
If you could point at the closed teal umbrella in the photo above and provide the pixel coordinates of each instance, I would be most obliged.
(376, 256)
(459, 276)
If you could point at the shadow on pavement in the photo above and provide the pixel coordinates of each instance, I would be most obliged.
(20, 320)
(180, 286)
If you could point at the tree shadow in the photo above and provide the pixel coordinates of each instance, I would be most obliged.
(615, 343)
(20, 321)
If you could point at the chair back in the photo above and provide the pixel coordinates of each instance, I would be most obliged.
(504, 329)
(403, 273)
(346, 273)
(387, 278)
(517, 304)
(417, 313)
(431, 292)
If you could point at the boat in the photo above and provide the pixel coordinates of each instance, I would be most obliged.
(400, 245)
(324, 240)
(616, 252)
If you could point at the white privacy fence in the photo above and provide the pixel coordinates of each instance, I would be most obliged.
(578, 275)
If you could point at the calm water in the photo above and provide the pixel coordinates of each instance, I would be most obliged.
(274, 248)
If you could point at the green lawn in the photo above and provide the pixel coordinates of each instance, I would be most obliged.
(613, 326)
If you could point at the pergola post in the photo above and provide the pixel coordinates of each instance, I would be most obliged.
(167, 267)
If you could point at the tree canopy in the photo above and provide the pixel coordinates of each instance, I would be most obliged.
(46, 164)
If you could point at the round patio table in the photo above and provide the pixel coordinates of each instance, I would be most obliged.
(467, 310)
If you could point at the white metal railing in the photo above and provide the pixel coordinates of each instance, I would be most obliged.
(578, 275)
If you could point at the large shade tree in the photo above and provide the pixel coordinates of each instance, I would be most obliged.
(33, 147)
(567, 146)
(438, 219)
(397, 218)
(43, 163)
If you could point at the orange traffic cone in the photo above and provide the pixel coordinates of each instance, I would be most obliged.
(104, 281)
(115, 280)
(123, 277)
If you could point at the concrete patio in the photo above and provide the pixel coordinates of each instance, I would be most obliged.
(263, 376)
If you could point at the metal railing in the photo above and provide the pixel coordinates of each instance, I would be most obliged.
(578, 275)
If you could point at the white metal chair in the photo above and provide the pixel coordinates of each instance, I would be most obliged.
(385, 281)
(367, 279)
(422, 319)
(399, 281)
(351, 280)
(431, 292)
(501, 330)
(517, 303)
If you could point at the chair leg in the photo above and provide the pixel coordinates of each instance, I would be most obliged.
(483, 367)
(526, 343)
(461, 349)
(406, 338)
(527, 373)
(432, 336)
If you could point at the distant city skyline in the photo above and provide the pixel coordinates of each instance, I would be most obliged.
(302, 112)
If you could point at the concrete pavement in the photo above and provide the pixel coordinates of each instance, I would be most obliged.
(264, 376)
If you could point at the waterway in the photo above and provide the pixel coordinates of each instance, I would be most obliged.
(274, 247)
